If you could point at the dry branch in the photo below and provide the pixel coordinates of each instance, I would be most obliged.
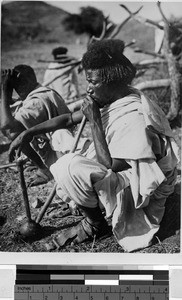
(149, 62)
(104, 28)
(61, 60)
(162, 14)
(141, 19)
(173, 68)
(46, 83)
(138, 50)
(140, 73)
(152, 84)
(130, 43)
(119, 26)
(103, 33)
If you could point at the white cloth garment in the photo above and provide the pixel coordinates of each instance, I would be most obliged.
(63, 80)
(41, 105)
(136, 130)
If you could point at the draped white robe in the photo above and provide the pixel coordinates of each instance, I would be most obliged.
(136, 130)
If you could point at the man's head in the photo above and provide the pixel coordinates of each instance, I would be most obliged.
(24, 80)
(59, 51)
(107, 70)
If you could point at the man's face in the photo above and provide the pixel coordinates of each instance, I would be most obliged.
(100, 92)
(23, 88)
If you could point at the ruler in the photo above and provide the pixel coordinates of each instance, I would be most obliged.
(92, 283)
(91, 292)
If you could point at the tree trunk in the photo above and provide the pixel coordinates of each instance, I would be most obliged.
(174, 74)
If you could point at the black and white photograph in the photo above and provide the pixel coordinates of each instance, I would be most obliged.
(90, 127)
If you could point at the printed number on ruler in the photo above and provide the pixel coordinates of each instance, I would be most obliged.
(133, 292)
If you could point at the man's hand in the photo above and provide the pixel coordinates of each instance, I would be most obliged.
(90, 109)
(8, 78)
(17, 145)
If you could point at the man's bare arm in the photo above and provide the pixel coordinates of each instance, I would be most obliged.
(9, 124)
(26, 149)
(62, 121)
(102, 151)
(101, 148)
(92, 112)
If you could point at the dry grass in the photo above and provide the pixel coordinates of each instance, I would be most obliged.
(13, 207)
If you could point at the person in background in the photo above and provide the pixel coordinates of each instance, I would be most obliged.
(129, 169)
(62, 77)
(38, 104)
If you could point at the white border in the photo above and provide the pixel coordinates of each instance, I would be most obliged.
(59, 258)
(89, 259)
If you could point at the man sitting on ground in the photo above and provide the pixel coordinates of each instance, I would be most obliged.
(38, 105)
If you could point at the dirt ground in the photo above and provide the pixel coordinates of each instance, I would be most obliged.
(57, 216)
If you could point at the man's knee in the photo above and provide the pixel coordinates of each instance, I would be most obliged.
(63, 167)
(76, 165)
(86, 169)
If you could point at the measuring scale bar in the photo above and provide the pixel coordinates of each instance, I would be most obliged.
(91, 292)
(91, 284)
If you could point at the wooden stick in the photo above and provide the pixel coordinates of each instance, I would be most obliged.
(173, 69)
(147, 62)
(119, 26)
(14, 164)
(152, 84)
(8, 165)
(141, 19)
(61, 67)
(53, 192)
(59, 60)
(138, 50)
(130, 43)
(24, 190)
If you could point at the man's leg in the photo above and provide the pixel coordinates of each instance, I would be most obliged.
(76, 176)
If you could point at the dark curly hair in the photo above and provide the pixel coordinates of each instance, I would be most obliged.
(107, 57)
(26, 72)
